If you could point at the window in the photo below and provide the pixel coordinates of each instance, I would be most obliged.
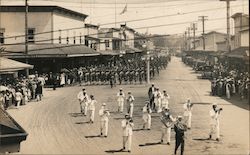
(2, 30)
(67, 40)
(86, 43)
(31, 35)
(74, 40)
(107, 43)
(60, 40)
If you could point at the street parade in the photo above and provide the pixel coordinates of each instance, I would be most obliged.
(129, 77)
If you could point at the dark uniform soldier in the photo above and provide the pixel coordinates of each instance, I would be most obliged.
(102, 76)
(121, 74)
(107, 77)
(136, 76)
(131, 76)
(141, 75)
(126, 77)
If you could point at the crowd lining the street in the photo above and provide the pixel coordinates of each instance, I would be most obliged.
(18, 91)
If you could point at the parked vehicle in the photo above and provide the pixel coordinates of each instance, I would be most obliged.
(207, 72)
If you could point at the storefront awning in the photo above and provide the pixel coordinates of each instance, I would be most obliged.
(8, 65)
(110, 52)
(48, 50)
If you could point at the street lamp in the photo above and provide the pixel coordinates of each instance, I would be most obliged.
(148, 63)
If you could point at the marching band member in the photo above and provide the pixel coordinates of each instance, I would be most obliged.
(188, 106)
(164, 99)
(83, 99)
(91, 108)
(167, 120)
(146, 116)
(179, 128)
(104, 114)
(120, 100)
(215, 123)
(127, 127)
(157, 100)
(130, 104)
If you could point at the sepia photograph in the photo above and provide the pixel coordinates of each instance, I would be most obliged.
(124, 77)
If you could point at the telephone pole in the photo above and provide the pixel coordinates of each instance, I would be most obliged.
(228, 24)
(26, 34)
(203, 18)
(185, 40)
(188, 29)
(193, 27)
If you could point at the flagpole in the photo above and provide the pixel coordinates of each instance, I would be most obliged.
(115, 13)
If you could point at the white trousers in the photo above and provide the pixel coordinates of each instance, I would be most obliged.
(84, 108)
(188, 119)
(131, 110)
(92, 115)
(147, 120)
(215, 129)
(104, 126)
(120, 106)
(127, 140)
(18, 104)
(168, 131)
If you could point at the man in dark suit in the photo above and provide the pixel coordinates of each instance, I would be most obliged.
(179, 129)
(151, 91)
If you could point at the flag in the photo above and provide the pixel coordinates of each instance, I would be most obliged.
(124, 10)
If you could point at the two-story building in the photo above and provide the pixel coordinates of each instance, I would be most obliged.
(91, 36)
(211, 39)
(111, 39)
(241, 25)
(56, 36)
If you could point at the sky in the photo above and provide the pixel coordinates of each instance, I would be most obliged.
(152, 16)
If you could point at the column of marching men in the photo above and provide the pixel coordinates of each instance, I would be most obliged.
(158, 103)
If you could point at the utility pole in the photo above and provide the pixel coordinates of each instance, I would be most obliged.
(188, 38)
(26, 34)
(228, 24)
(185, 40)
(203, 18)
(193, 27)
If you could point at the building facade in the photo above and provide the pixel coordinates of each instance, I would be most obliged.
(46, 24)
(211, 40)
(241, 23)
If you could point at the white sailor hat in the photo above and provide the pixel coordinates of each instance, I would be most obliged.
(103, 104)
(179, 117)
(120, 88)
(214, 104)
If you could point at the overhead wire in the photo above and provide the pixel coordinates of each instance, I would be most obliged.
(128, 21)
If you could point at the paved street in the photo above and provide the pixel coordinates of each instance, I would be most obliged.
(55, 127)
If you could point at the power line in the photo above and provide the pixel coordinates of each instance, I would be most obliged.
(20, 43)
(135, 20)
(153, 26)
(142, 38)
